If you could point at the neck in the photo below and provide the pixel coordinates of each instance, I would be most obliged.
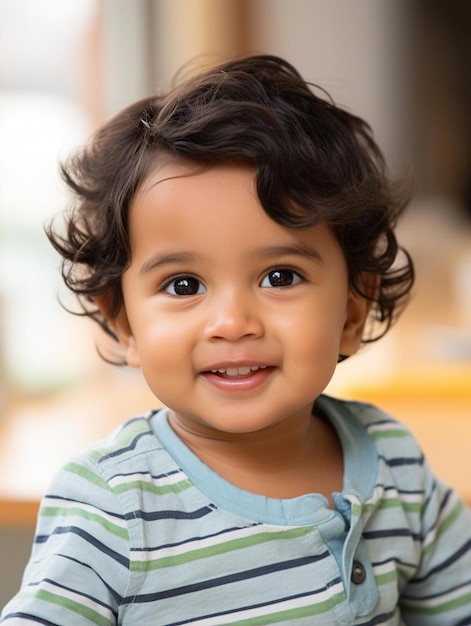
(285, 460)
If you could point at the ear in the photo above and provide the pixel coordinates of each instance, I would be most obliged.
(120, 325)
(358, 308)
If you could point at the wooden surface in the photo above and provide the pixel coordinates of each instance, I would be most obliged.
(436, 406)
(18, 513)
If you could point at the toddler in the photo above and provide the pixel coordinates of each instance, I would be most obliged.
(235, 236)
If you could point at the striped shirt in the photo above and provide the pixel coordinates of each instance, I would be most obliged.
(138, 531)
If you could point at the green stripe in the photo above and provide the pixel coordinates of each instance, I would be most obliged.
(292, 614)
(404, 574)
(114, 529)
(142, 485)
(217, 549)
(122, 440)
(86, 474)
(445, 525)
(409, 507)
(387, 577)
(441, 608)
(357, 509)
(388, 434)
(92, 616)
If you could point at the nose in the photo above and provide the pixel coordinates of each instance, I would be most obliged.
(233, 317)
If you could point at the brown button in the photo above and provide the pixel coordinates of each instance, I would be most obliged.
(358, 573)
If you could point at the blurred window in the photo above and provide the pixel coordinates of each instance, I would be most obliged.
(47, 49)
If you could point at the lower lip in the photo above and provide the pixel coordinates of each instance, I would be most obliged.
(243, 383)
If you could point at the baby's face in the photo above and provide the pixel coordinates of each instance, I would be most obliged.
(237, 322)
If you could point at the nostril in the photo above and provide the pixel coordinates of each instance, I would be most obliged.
(233, 326)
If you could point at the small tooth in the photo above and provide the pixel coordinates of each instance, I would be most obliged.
(239, 371)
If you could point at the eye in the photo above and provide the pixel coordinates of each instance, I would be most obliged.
(281, 277)
(184, 286)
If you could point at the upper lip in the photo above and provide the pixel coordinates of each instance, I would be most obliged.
(225, 365)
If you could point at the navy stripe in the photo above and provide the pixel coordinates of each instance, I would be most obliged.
(404, 460)
(64, 530)
(152, 516)
(226, 580)
(123, 450)
(158, 477)
(445, 499)
(380, 423)
(54, 583)
(396, 489)
(260, 605)
(435, 595)
(407, 492)
(74, 501)
(393, 532)
(436, 517)
(432, 494)
(31, 618)
(380, 619)
(165, 546)
(394, 560)
(116, 596)
(454, 557)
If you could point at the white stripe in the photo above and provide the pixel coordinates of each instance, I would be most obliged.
(384, 568)
(64, 504)
(75, 597)
(287, 605)
(410, 498)
(372, 428)
(431, 536)
(443, 599)
(145, 477)
(391, 566)
(200, 544)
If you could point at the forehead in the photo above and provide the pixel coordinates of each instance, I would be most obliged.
(185, 199)
(216, 209)
(176, 180)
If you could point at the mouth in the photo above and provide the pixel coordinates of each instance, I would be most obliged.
(238, 378)
(238, 372)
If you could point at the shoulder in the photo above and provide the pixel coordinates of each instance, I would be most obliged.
(131, 450)
(368, 414)
(129, 441)
(389, 434)
(368, 432)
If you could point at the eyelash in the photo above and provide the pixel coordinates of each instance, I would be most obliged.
(298, 277)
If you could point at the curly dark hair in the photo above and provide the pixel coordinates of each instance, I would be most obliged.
(313, 162)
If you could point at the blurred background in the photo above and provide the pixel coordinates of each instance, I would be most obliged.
(65, 67)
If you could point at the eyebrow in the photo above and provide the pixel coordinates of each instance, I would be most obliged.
(269, 252)
(292, 250)
(161, 260)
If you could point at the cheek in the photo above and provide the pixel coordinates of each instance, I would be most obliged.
(319, 323)
(313, 337)
(162, 344)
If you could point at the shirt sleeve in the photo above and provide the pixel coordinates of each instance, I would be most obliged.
(440, 590)
(79, 567)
